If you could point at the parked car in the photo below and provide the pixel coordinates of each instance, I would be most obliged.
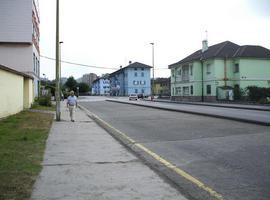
(133, 97)
(140, 96)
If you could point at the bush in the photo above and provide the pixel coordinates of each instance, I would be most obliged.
(45, 100)
(239, 93)
(257, 94)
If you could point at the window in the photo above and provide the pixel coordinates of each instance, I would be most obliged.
(178, 90)
(136, 91)
(172, 72)
(236, 68)
(208, 69)
(185, 75)
(142, 74)
(191, 70)
(208, 89)
(142, 82)
(36, 65)
(135, 74)
(142, 69)
(38, 68)
(135, 82)
(135, 69)
(191, 89)
(185, 91)
(34, 62)
(142, 91)
(179, 72)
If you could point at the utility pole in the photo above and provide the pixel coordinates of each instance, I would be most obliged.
(60, 67)
(57, 66)
(153, 64)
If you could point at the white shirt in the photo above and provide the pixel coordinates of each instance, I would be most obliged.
(72, 100)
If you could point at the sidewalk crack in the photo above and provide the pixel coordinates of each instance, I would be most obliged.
(92, 163)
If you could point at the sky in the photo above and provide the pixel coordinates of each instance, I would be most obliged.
(109, 33)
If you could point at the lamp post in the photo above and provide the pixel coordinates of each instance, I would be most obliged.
(78, 90)
(57, 66)
(153, 63)
(44, 75)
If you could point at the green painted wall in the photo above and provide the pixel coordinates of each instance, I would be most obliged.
(254, 72)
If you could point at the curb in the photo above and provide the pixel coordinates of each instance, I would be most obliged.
(178, 178)
(205, 104)
(196, 113)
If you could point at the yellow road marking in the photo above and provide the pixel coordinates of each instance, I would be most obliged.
(166, 163)
(181, 172)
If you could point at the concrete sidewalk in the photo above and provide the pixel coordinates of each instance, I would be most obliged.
(82, 162)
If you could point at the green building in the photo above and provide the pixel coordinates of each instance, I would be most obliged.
(212, 73)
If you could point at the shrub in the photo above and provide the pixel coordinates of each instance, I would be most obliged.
(258, 94)
(45, 100)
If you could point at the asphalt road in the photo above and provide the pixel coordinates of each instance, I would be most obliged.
(231, 157)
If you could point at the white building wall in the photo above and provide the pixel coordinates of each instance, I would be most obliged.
(17, 56)
(16, 38)
(16, 21)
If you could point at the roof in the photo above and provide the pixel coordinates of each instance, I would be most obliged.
(162, 80)
(102, 77)
(132, 65)
(252, 52)
(227, 49)
(15, 72)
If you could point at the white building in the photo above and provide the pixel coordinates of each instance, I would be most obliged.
(89, 78)
(101, 86)
(19, 37)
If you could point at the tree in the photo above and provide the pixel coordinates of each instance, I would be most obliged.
(71, 83)
(83, 87)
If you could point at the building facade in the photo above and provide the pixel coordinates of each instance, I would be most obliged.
(101, 86)
(89, 78)
(212, 74)
(19, 37)
(162, 87)
(134, 78)
(17, 90)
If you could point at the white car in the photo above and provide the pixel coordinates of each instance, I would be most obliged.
(133, 97)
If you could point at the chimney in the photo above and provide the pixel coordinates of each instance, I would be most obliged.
(204, 45)
(120, 66)
(129, 62)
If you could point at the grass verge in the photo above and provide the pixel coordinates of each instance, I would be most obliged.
(39, 107)
(22, 143)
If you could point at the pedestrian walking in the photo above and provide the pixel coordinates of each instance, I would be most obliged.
(72, 104)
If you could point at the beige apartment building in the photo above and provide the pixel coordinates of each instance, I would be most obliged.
(19, 37)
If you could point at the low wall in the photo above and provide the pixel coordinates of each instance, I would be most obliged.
(194, 98)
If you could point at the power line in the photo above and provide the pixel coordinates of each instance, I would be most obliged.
(91, 66)
(79, 64)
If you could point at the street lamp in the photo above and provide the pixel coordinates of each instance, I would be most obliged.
(57, 66)
(153, 60)
(78, 90)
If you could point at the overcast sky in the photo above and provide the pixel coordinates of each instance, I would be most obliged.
(109, 33)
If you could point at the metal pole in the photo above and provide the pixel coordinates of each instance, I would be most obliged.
(153, 64)
(57, 66)
(60, 67)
